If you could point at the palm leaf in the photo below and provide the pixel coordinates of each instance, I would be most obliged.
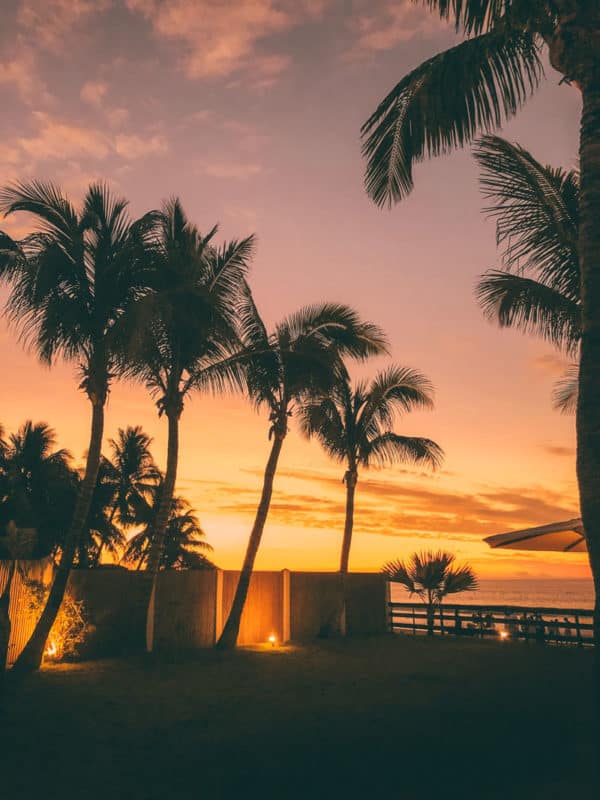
(566, 391)
(390, 448)
(443, 103)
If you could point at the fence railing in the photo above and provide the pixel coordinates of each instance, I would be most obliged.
(544, 625)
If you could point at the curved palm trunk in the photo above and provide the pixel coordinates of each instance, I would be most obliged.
(31, 656)
(102, 543)
(588, 407)
(158, 529)
(229, 636)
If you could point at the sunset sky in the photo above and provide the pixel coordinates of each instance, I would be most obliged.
(250, 111)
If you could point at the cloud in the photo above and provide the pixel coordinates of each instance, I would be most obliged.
(49, 22)
(383, 25)
(221, 38)
(93, 92)
(20, 73)
(131, 146)
(62, 140)
(550, 363)
(559, 450)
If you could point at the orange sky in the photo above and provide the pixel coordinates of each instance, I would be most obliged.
(250, 111)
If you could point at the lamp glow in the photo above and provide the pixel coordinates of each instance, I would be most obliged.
(52, 649)
(504, 634)
(273, 640)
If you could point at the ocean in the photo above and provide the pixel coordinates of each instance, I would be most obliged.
(533, 593)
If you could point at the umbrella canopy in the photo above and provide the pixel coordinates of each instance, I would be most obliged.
(566, 537)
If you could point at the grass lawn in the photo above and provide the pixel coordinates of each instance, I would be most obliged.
(393, 717)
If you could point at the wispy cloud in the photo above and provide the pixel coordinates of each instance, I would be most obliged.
(222, 38)
(132, 146)
(49, 22)
(93, 92)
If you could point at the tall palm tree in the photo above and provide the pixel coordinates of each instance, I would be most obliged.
(473, 87)
(184, 548)
(185, 338)
(299, 358)
(131, 478)
(354, 426)
(71, 283)
(536, 208)
(431, 576)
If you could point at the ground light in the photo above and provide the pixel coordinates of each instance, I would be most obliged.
(52, 649)
(273, 640)
(504, 635)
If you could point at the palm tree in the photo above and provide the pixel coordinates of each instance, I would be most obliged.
(128, 480)
(184, 546)
(72, 282)
(473, 87)
(536, 208)
(354, 426)
(185, 338)
(301, 357)
(431, 576)
(37, 493)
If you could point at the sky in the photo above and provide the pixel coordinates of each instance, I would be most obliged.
(250, 111)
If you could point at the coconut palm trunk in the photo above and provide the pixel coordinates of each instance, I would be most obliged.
(159, 525)
(31, 656)
(350, 479)
(5, 625)
(229, 636)
(588, 409)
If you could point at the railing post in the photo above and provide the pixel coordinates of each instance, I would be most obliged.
(441, 620)
(414, 622)
(578, 631)
(218, 604)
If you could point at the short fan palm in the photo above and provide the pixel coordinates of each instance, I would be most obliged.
(432, 576)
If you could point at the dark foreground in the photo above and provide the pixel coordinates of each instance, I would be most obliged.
(394, 717)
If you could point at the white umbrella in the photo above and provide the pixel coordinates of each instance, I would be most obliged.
(566, 537)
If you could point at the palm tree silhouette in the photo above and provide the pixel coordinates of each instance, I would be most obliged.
(536, 208)
(37, 492)
(431, 576)
(72, 283)
(127, 481)
(354, 426)
(184, 546)
(299, 358)
(184, 338)
(474, 87)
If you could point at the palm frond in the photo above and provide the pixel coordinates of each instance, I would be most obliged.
(444, 103)
(536, 212)
(395, 390)
(530, 306)
(390, 448)
(566, 391)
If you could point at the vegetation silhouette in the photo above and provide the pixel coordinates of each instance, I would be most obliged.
(71, 282)
(473, 88)
(300, 358)
(536, 208)
(354, 426)
(432, 576)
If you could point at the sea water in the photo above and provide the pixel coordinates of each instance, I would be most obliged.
(531, 592)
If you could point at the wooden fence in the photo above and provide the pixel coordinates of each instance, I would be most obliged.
(191, 606)
(544, 625)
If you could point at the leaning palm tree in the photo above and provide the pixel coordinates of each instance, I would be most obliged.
(71, 283)
(184, 338)
(184, 547)
(300, 358)
(431, 576)
(538, 289)
(354, 426)
(474, 87)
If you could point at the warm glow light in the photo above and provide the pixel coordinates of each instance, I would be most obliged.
(52, 649)
(504, 634)
(273, 639)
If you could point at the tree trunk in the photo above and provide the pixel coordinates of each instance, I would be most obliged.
(31, 656)
(5, 625)
(158, 529)
(228, 638)
(339, 624)
(588, 406)
(430, 619)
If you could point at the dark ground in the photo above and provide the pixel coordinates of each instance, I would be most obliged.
(394, 717)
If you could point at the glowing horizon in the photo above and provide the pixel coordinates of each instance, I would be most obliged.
(252, 117)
